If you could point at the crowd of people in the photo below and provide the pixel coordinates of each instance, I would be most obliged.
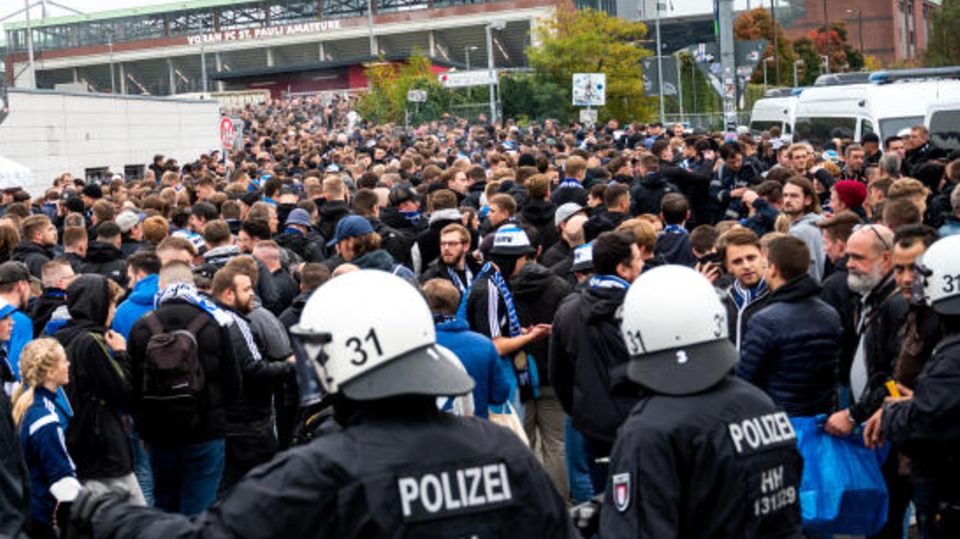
(201, 339)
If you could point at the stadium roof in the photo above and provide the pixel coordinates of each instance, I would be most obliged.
(326, 64)
(122, 13)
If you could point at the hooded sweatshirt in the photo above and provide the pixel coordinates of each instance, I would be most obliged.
(480, 359)
(537, 294)
(540, 214)
(139, 303)
(99, 384)
(806, 229)
(105, 259)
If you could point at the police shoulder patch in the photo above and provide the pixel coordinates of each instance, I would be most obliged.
(621, 491)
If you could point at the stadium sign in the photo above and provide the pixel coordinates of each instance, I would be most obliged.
(246, 34)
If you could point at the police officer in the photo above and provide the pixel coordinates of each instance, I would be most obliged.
(398, 467)
(923, 423)
(702, 454)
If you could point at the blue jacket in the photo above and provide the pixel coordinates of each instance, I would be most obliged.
(792, 349)
(22, 334)
(42, 441)
(138, 304)
(480, 358)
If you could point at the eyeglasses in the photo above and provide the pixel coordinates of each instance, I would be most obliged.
(873, 228)
(451, 243)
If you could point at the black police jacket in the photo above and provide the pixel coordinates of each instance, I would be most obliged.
(391, 474)
(926, 427)
(720, 463)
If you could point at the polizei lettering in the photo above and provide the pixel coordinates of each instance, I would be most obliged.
(761, 432)
(439, 494)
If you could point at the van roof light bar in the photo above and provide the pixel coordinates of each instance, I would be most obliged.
(886, 77)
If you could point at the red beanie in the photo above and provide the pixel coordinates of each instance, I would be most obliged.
(851, 192)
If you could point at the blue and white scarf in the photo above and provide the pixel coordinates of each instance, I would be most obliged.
(745, 296)
(526, 381)
(674, 229)
(570, 183)
(608, 281)
(188, 292)
(457, 282)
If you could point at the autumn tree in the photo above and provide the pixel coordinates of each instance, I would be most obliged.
(758, 24)
(385, 101)
(943, 49)
(589, 41)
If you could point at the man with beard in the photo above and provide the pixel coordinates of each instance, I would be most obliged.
(878, 319)
(802, 207)
(251, 438)
(445, 212)
(455, 263)
(921, 330)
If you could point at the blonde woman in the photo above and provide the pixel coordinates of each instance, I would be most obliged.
(53, 478)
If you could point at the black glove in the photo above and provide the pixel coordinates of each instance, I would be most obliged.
(86, 506)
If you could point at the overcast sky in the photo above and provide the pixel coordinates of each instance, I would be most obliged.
(87, 6)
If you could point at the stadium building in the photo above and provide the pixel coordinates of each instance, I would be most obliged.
(284, 46)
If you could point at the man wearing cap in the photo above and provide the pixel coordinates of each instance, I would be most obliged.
(587, 354)
(396, 467)
(403, 213)
(358, 244)
(849, 195)
(492, 311)
(564, 246)
(15, 290)
(702, 454)
(131, 231)
(301, 237)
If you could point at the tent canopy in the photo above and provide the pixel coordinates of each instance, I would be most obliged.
(13, 174)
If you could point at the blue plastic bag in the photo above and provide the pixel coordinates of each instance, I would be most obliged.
(842, 489)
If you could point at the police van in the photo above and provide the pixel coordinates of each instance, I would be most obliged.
(777, 108)
(888, 103)
(943, 121)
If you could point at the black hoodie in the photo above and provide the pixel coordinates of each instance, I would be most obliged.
(537, 294)
(330, 214)
(99, 385)
(588, 362)
(540, 215)
(105, 259)
(43, 308)
(647, 193)
(33, 255)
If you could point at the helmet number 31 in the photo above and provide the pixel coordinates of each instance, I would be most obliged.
(951, 283)
(360, 346)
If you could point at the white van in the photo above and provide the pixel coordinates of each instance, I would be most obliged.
(943, 121)
(881, 107)
(773, 111)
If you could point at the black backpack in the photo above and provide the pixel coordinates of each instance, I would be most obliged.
(173, 377)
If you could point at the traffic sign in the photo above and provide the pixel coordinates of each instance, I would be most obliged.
(417, 96)
(588, 116)
(589, 89)
(227, 133)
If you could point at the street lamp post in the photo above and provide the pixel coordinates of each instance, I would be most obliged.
(113, 82)
(859, 13)
(373, 44)
(796, 78)
(495, 25)
(660, 65)
(765, 60)
(466, 52)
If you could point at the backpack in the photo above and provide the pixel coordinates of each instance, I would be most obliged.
(173, 377)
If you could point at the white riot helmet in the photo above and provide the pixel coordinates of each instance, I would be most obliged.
(371, 336)
(940, 267)
(675, 329)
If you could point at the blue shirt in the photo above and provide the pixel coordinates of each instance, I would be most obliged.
(138, 304)
(22, 334)
(480, 359)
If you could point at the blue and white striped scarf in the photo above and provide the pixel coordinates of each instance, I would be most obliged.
(188, 292)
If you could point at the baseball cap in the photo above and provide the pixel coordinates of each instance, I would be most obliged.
(583, 257)
(511, 240)
(13, 272)
(566, 211)
(300, 217)
(129, 219)
(350, 226)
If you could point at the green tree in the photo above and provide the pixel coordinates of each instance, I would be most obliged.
(589, 41)
(386, 99)
(943, 49)
(524, 96)
(810, 69)
(758, 24)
